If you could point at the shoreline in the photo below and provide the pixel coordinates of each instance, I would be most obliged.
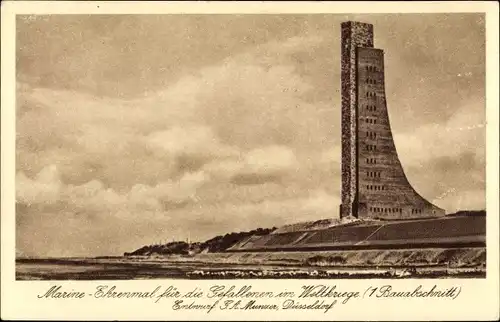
(412, 263)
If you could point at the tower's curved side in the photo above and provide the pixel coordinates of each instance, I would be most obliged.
(373, 180)
(383, 188)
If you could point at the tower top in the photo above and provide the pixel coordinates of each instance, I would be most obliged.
(357, 34)
(357, 23)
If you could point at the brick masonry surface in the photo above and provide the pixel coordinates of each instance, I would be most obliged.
(373, 180)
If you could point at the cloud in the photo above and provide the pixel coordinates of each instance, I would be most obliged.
(454, 200)
(463, 132)
(272, 159)
(59, 218)
(156, 160)
(438, 157)
(266, 164)
(322, 205)
(216, 218)
(191, 147)
(43, 189)
(47, 189)
(218, 112)
(257, 166)
(173, 206)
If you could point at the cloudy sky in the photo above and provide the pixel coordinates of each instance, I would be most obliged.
(133, 129)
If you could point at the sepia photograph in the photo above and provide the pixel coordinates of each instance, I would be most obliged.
(250, 146)
(249, 161)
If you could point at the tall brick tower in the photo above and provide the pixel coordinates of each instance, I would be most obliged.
(373, 181)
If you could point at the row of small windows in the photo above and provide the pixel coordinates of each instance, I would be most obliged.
(416, 211)
(371, 108)
(371, 94)
(371, 69)
(382, 209)
(371, 147)
(371, 161)
(371, 81)
(373, 174)
(371, 120)
(374, 187)
(371, 135)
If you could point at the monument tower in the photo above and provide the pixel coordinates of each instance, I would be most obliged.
(373, 181)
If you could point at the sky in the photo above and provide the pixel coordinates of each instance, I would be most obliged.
(134, 129)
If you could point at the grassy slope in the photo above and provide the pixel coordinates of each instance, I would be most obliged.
(222, 243)
(214, 245)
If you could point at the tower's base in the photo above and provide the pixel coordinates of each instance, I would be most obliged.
(392, 212)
